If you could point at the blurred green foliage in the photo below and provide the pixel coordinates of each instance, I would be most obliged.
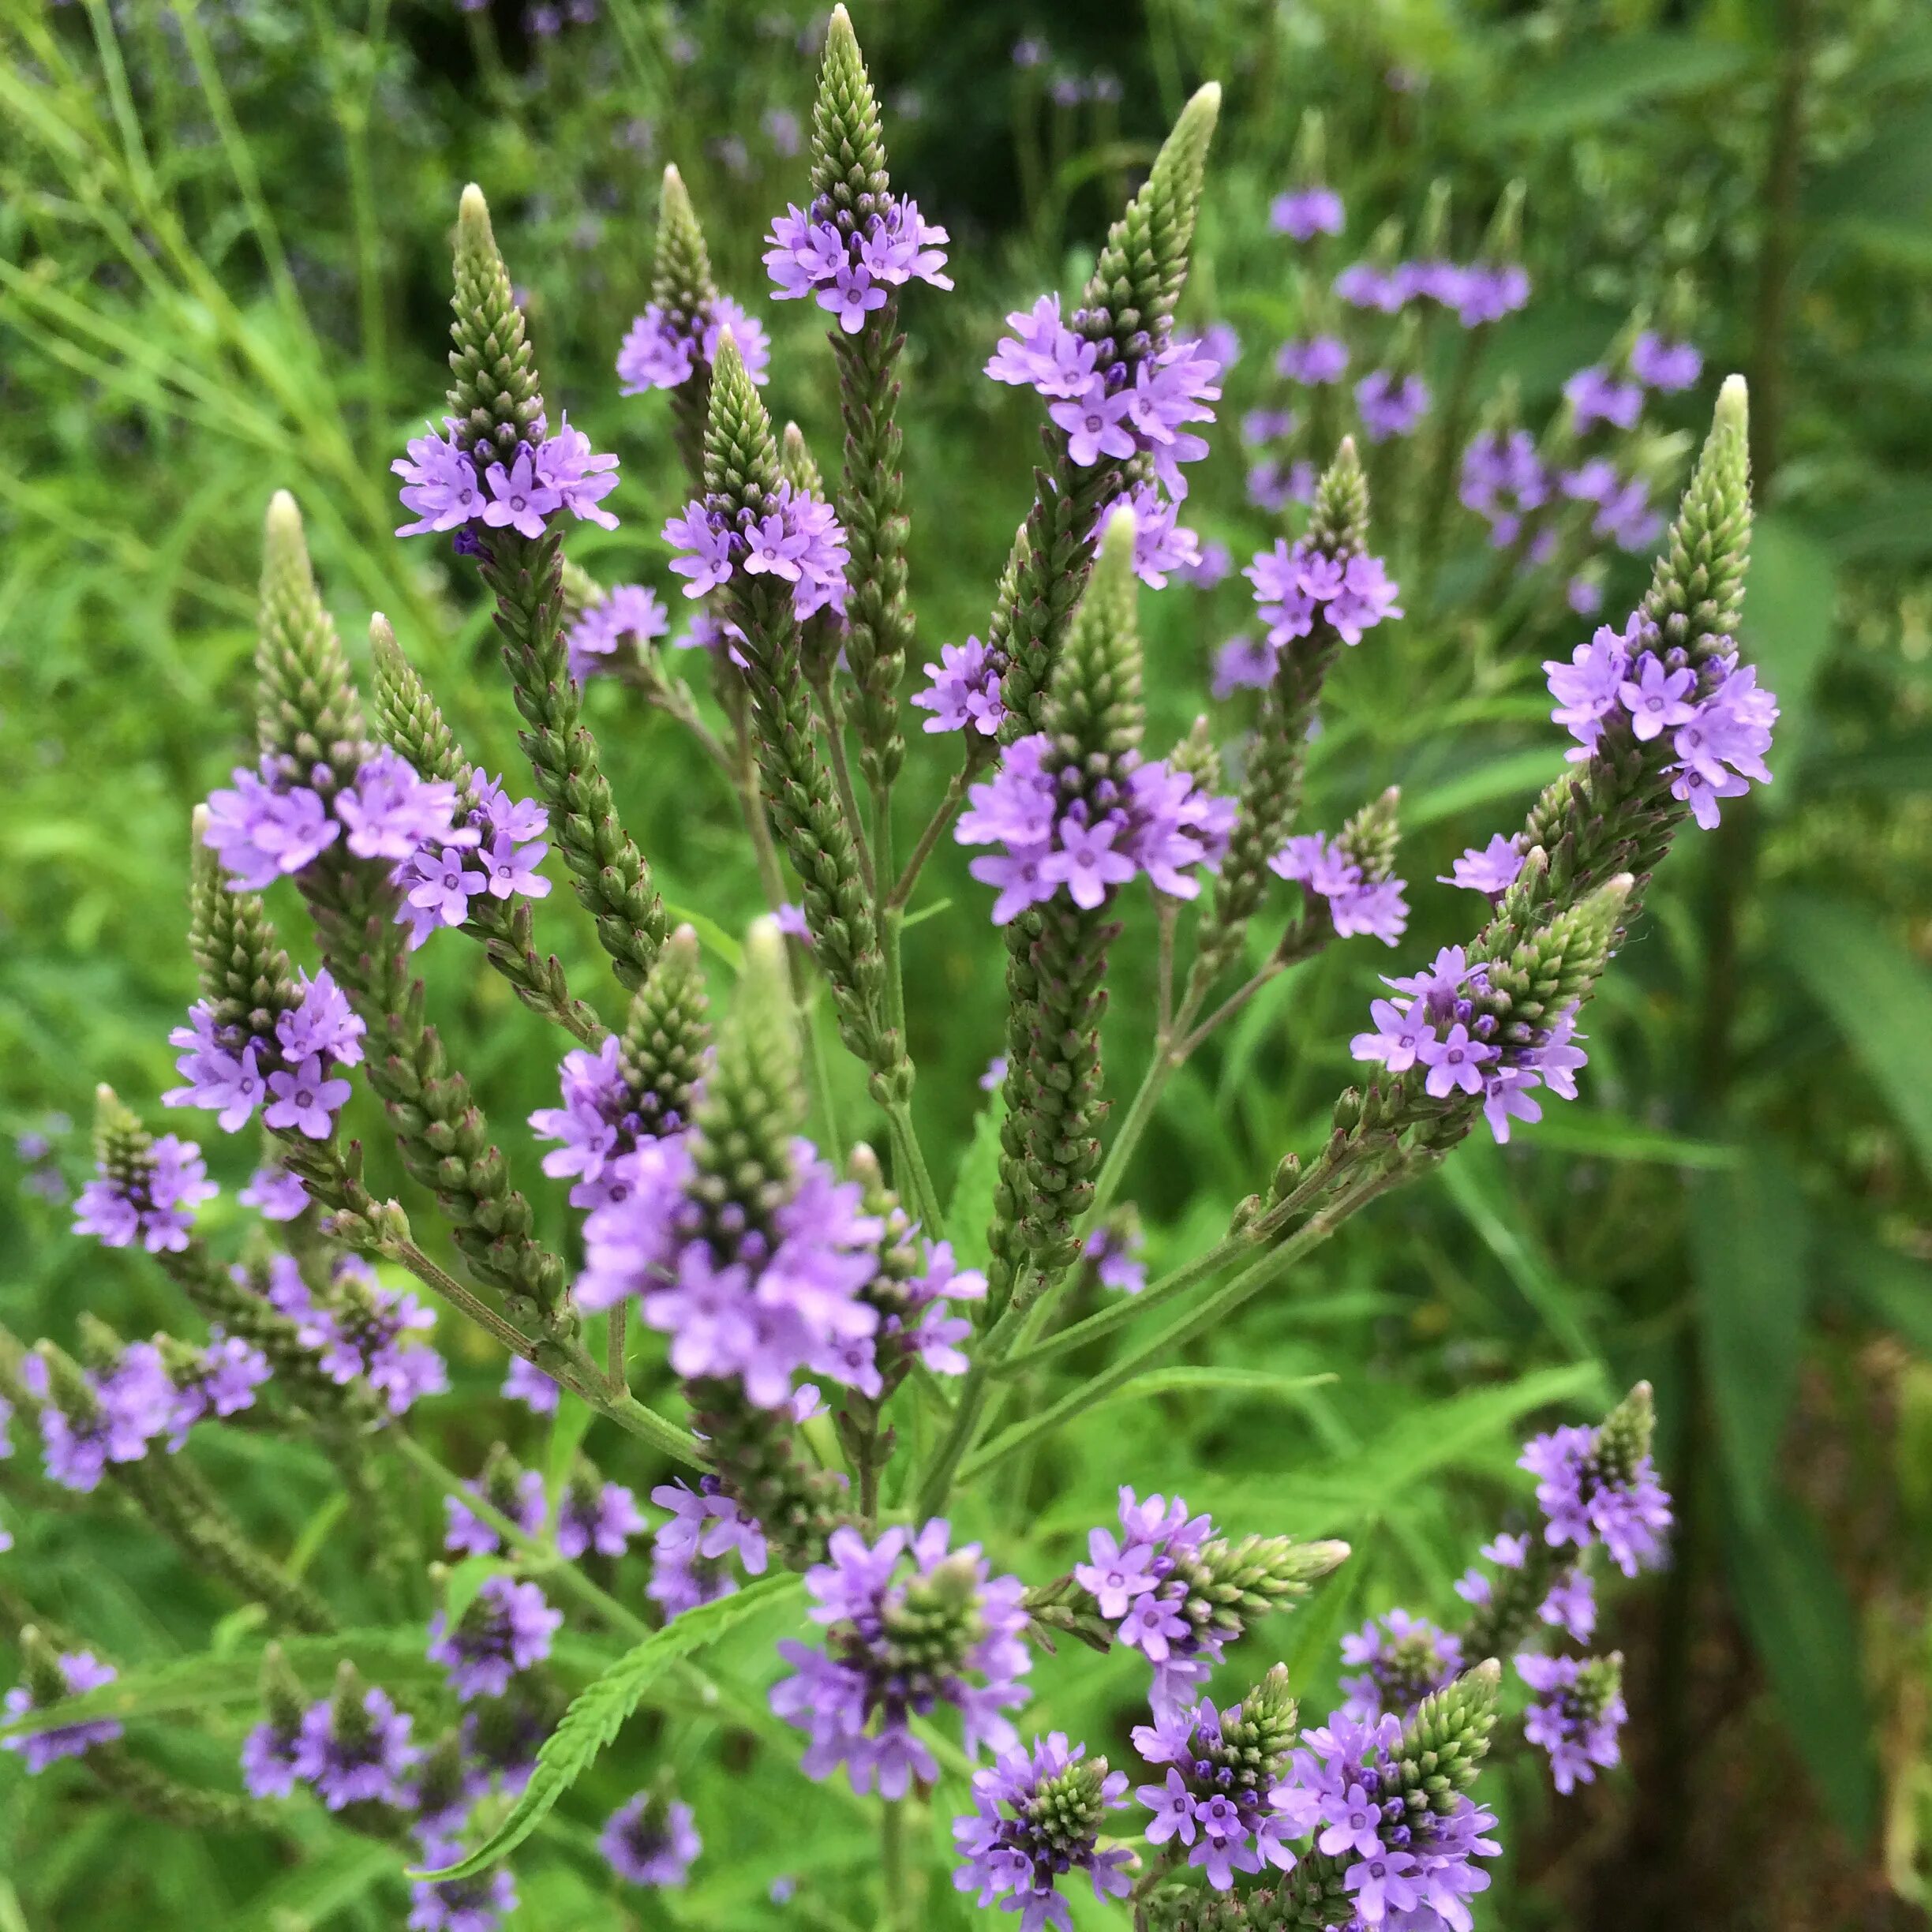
(223, 233)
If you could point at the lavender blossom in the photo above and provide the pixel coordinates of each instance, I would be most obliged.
(355, 1751)
(477, 1904)
(1665, 365)
(275, 1194)
(799, 541)
(1490, 869)
(1595, 396)
(1391, 405)
(603, 1119)
(909, 1626)
(1503, 480)
(1316, 360)
(1296, 584)
(507, 1628)
(1303, 213)
(524, 1381)
(518, 1494)
(154, 1205)
(1053, 1805)
(1113, 1252)
(1578, 1711)
(1399, 1660)
(1355, 902)
(79, 1670)
(359, 1330)
(689, 1552)
(1243, 662)
(1161, 545)
(1213, 565)
(1590, 1491)
(650, 1841)
(602, 1518)
(219, 1380)
(628, 611)
(963, 694)
(452, 487)
(268, 1767)
(658, 353)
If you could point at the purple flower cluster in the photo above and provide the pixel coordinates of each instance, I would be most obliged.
(851, 264)
(1108, 405)
(359, 1330)
(1295, 584)
(659, 352)
(450, 488)
(1132, 1577)
(1212, 1799)
(1434, 1025)
(1503, 480)
(1718, 719)
(688, 1552)
(628, 610)
(1243, 662)
(597, 1517)
(475, 1904)
(1059, 831)
(81, 1670)
(650, 1842)
(1214, 565)
(274, 1193)
(797, 542)
(505, 1628)
(1313, 360)
(909, 1626)
(1665, 366)
(1405, 1865)
(602, 1119)
(155, 1206)
(964, 693)
(1399, 1660)
(291, 1075)
(1595, 395)
(1624, 514)
(1272, 486)
(1391, 405)
(1050, 1826)
(1585, 1501)
(494, 846)
(1477, 292)
(1303, 213)
(1161, 544)
(220, 1379)
(1490, 869)
(520, 1498)
(1579, 1730)
(524, 1381)
(1113, 1252)
(1319, 866)
(348, 1754)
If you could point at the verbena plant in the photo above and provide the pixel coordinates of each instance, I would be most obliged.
(837, 1384)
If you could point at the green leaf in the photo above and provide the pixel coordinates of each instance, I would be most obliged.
(598, 1712)
(1516, 774)
(326, 1881)
(1598, 83)
(1803, 1626)
(1473, 1180)
(1242, 1381)
(567, 1431)
(1879, 995)
(709, 934)
(969, 1213)
(1610, 1137)
(1750, 1236)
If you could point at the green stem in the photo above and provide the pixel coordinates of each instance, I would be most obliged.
(892, 1864)
(901, 894)
(911, 1169)
(1165, 1064)
(616, 1335)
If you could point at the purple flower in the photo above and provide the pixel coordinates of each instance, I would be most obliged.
(478, 1904)
(857, 1697)
(1454, 1062)
(1054, 1803)
(1293, 585)
(507, 1628)
(628, 611)
(1576, 1716)
(1502, 481)
(688, 1552)
(439, 483)
(1114, 1576)
(525, 1382)
(222, 1383)
(1570, 1605)
(1399, 1660)
(359, 1329)
(1161, 545)
(390, 810)
(465, 1533)
(354, 1752)
(519, 498)
(268, 1760)
(1585, 1499)
(1314, 360)
(1482, 293)
(1656, 697)
(1303, 213)
(260, 830)
(1595, 396)
(1355, 904)
(1113, 1250)
(154, 1205)
(799, 540)
(81, 1671)
(1213, 563)
(1243, 662)
(230, 1085)
(995, 1077)
(1665, 365)
(1491, 869)
(658, 353)
(651, 1842)
(1362, 285)
(851, 262)
(601, 1518)
(963, 694)
(1389, 406)
(305, 1099)
(1215, 1799)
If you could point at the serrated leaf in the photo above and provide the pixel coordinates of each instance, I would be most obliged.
(598, 1712)
(970, 1212)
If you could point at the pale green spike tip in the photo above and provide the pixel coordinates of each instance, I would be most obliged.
(197, 826)
(1733, 406)
(727, 364)
(1487, 1676)
(383, 637)
(1117, 544)
(764, 972)
(284, 523)
(473, 219)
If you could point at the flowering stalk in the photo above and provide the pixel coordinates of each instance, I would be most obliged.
(495, 400)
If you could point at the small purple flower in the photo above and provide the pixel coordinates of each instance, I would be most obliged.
(689, 1552)
(1665, 366)
(391, 810)
(1303, 213)
(1355, 904)
(1213, 565)
(1113, 1251)
(305, 1099)
(1389, 406)
(1399, 1660)
(261, 829)
(355, 1752)
(628, 611)
(268, 1760)
(1314, 360)
(507, 1628)
(1578, 1711)
(1595, 396)
(477, 1904)
(1454, 1062)
(465, 1533)
(525, 1382)
(1585, 1501)
(1491, 869)
(651, 1842)
(964, 693)
(155, 1206)
(603, 1519)
(81, 1671)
